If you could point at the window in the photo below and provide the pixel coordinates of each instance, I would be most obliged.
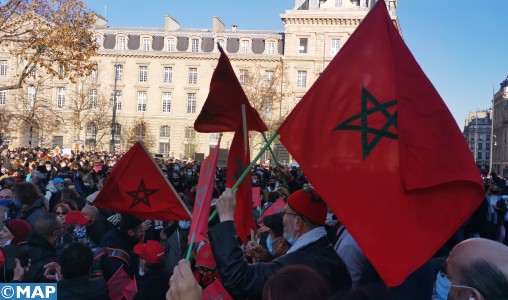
(3, 68)
(191, 103)
(143, 74)
(480, 146)
(31, 91)
(190, 133)
(270, 48)
(267, 108)
(146, 44)
(140, 131)
(94, 74)
(119, 72)
(164, 132)
(195, 45)
(166, 102)
(93, 98)
(268, 78)
(3, 98)
(118, 100)
(480, 138)
(303, 45)
(141, 101)
(171, 45)
(337, 3)
(168, 74)
(193, 75)
(164, 148)
(117, 130)
(487, 155)
(244, 76)
(245, 47)
(60, 97)
(61, 72)
(302, 79)
(121, 43)
(487, 146)
(479, 155)
(314, 3)
(91, 129)
(214, 138)
(334, 46)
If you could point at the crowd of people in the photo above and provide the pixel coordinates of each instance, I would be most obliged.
(52, 232)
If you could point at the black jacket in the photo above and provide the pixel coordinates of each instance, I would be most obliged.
(40, 252)
(247, 281)
(82, 288)
(110, 264)
(153, 285)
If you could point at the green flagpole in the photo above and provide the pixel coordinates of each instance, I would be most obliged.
(275, 159)
(247, 170)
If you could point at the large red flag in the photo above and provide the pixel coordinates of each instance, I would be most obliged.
(137, 186)
(378, 143)
(206, 184)
(238, 161)
(223, 106)
(215, 291)
(117, 283)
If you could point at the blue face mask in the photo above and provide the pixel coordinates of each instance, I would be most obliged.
(80, 233)
(443, 286)
(184, 224)
(269, 246)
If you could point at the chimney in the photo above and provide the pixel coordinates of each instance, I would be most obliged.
(170, 24)
(218, 25)
(234, 28)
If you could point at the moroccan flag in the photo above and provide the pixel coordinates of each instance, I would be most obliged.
(380, 146)
(223, 106)
(256, 197)
(206, 184)
(275, 208)
(117, 283)
(130, 290)
(238, 161)
(137, 186)
(215, 291)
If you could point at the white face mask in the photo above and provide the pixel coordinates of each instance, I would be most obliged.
(330, 221)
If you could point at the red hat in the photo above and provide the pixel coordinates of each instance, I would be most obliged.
(20, 229)
(76, 217)
(205, 257)
(309, 205)
(152, 251)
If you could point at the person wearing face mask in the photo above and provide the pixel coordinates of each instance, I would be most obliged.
(303, 220)
(206, 267)
(476, 269)
(176, 244)
(75, 231)
(55, 187)
(178, 183)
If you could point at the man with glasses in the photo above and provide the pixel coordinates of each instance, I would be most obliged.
(40, 247)
(476, 269)
(303, 220)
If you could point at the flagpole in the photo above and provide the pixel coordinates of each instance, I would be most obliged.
(247, 170)
(275, 159)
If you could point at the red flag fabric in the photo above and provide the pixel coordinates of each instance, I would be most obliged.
(256, 197)
(137, 186)
(275, 208)
(206, 184)
(238, 161)
(130, 290)
(393, 165)
(223, 106)
(117, 284)
(215, 291)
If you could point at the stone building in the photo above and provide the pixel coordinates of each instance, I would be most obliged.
(161, 77)
(477, 132)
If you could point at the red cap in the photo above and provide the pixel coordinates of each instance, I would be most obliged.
(308, 204)
(205, 257)
(76, 217)
(152, 251)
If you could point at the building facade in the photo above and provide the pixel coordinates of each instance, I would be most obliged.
(477, 132)
(158, 79)
(500, 130)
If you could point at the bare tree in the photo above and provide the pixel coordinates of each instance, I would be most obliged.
(138, 131)
(53, 35)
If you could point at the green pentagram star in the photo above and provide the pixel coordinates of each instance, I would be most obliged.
(391, 120)
(240, 168)
(144, 197)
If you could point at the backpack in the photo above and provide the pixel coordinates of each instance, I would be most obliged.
(100, 253)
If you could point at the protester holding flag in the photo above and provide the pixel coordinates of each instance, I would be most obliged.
(303, 221)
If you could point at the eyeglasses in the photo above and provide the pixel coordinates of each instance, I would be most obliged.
(5, 198)
(284, 212)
